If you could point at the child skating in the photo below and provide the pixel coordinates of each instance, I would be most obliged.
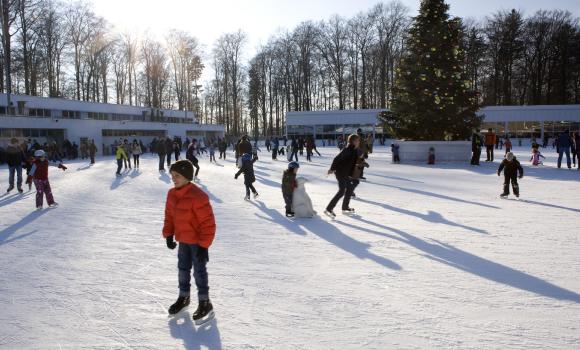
(536, 155)
(289, 185)
(511, 169)
(190, 221)
(39, 175)
(249, 178)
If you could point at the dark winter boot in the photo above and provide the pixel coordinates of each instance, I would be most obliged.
(289, 214)
(203, 313)
(178, 305)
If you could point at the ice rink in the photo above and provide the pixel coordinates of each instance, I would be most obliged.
(433, 259)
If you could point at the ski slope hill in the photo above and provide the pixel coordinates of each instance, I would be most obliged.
(433, 259)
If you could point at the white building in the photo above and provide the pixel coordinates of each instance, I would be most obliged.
(43, 119)
(331, 124)
(516, 121)
(528, 122)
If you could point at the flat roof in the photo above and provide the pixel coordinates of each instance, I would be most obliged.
(57, 103)
(490, 114)
(530, 113)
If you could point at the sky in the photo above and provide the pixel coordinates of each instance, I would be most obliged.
(261, 19)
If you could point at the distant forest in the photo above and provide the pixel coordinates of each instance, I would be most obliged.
(63, 49)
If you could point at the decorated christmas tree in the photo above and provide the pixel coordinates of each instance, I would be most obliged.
(432, 100)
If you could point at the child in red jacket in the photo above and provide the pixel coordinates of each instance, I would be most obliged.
(39, 174)
(189, 218)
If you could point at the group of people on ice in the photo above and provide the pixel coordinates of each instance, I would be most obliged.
(566, 143)
(19, 157)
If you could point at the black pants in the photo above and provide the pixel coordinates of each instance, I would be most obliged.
(161, 161)
(212, 157)
(136, 160)
(489, 151)
(176, 155)
(515, 186)
(507, 149)
(344, 190)
(168, 159)
(223, 153)
(476, 155)
(196, 166)
(92, 159)
(127, 161)
(274, 153)
(119, 165)
(397, 159)
(309, 156)
(249, 187)
(294, 154)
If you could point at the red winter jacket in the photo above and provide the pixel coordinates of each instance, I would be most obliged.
(39, 169)
(189, 216)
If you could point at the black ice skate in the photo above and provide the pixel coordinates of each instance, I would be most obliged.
(9, 189)
(256, 195)
(53, 205)
(178, 305)
(204, 312)
(289, 214)
(20, 190)
(504, 195)
(348, 211)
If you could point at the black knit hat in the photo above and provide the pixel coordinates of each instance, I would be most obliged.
(184, 168)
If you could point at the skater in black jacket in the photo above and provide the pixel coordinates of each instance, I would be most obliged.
(343, 166)
(511, 168)
(249, 178)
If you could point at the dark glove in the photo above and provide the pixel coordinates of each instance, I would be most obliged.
(202, 254)
(236, 176)
(498, 174)
(170, 242)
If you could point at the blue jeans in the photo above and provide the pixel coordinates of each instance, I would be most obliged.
(186, 259)
(18, 170)
(561, 152)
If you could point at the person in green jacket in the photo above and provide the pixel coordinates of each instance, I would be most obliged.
(120, 155)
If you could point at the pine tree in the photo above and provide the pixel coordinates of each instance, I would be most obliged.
(432, 99)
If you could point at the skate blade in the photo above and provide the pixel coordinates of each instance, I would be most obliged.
(210, 316)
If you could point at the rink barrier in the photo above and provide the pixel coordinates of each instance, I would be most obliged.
(445, 151)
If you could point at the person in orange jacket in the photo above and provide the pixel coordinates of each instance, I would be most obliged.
(490, 139)
(190, 220)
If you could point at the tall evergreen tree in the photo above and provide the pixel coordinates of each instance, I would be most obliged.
(432, 96)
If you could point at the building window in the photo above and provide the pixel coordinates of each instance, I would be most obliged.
(39, 112)
(131, 133)
(71, 115)
(98, 116)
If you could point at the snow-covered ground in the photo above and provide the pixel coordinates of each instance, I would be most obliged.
(433, 260)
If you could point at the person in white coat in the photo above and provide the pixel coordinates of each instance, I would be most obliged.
(137, 151)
